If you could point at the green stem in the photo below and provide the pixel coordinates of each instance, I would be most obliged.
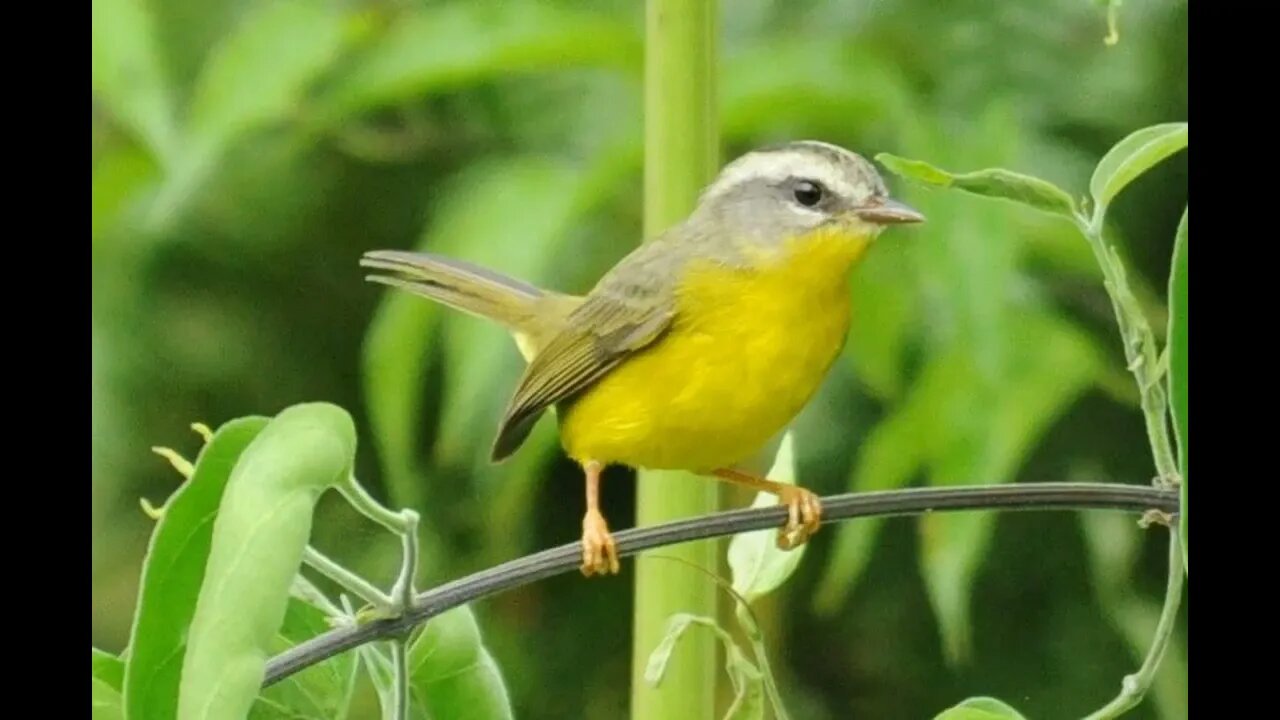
(681, 156)
(363, 502)
(402, 592)
(1135, 686)
(1147, 365)
(752, 630)
(1140, 349)
(400, 658)
(346, 579)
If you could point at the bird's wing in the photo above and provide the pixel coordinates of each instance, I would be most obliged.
(613, 322)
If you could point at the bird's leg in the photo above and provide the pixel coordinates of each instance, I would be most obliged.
(599, 553)
(804, 510)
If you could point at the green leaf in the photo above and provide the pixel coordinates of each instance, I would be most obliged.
(1131, 157)
(452, 673)
(992, 182)
(109, 669)
(128, 76)
(980, 708)
(1178, 363)
(172, 573)
(323, 690)
(748, 686)
(119, 178)
(438, 48)
(107, 703)
(656, 667)
(108, 680)
(256, 76)
(263, 525)
(758, 566)
(747, 680)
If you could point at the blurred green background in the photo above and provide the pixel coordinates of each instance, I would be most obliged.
(246, 152)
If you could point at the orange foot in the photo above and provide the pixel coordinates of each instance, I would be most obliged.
(599, 552)
(804, 515)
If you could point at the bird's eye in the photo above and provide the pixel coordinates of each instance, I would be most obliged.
(808, 193)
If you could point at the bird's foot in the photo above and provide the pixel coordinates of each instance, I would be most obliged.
(804, 516)
(599, 552)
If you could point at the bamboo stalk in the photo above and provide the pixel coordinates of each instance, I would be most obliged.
(681, 157)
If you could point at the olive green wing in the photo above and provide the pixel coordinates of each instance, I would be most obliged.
(598, 335)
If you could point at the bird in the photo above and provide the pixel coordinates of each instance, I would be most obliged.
(697, 349)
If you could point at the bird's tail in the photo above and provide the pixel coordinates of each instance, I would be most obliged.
(517, 305)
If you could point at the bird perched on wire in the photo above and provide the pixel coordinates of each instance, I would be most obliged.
(698, 348)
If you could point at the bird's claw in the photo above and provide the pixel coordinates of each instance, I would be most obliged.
(804, 516)
(599, 551)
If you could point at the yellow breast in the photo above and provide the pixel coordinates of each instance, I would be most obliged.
(746, 351)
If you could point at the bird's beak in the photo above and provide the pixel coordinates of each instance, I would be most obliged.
(886, 211)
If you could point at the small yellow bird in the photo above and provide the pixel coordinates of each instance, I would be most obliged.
(699, 347)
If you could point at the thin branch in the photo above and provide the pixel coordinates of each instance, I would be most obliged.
(566, 558)
(346, 579)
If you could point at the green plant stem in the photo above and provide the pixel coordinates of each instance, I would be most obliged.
(681, 156)
(1140, 349)
(1135, 686)
(363, 502)
(400, 659)
(747, 621)
(347, 580)
(1148, 366)
(402, 592)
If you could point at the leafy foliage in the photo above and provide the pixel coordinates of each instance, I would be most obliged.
(982, 349)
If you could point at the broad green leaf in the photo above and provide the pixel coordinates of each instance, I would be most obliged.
(107, 703)
(446, 46)
(109, 669)
(758, 566)
(323, 690)
(992, 182)
(1131, 157)
(1178, 363)
(452, 673)
(128, 76)
(172, 573)
(980, 708)
(263, 525)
